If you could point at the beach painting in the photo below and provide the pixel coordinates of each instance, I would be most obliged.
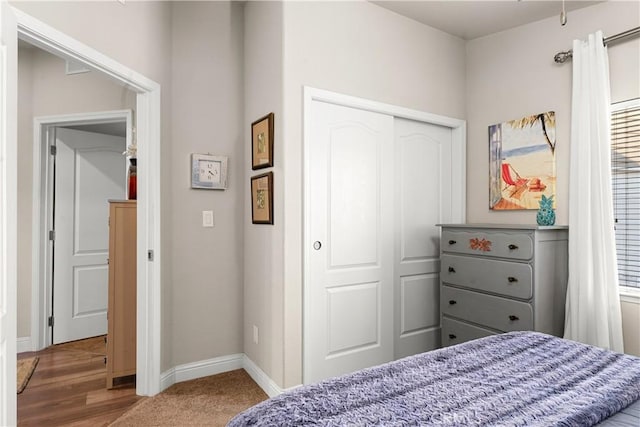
(522, 164)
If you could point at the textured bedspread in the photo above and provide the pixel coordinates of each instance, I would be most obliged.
(519, 378)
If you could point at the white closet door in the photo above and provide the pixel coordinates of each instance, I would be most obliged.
(349, 292)
(423, 199)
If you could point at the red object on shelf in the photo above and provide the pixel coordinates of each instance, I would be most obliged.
(133, 180)
(133, 184)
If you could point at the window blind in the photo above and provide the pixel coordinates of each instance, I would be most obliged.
(625, 164)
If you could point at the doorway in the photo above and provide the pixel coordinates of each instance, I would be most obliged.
(17, 24)
(84, 169)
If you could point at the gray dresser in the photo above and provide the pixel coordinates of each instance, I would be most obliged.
(498, 278)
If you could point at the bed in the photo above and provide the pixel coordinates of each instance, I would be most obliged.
(517, 378)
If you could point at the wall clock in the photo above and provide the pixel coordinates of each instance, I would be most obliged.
(208, 172)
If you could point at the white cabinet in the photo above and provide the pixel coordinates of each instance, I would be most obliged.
(500, 278)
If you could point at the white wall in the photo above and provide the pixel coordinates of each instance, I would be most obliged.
(44, 89)
(512, 74)
(25, 126)
(263, 244)
(359, 49)
(631, 326)
(207, 103)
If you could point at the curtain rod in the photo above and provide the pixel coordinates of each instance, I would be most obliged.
(562, 57)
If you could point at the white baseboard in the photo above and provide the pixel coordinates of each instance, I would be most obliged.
(267, 384)
(191, 371)
(218, 365)
(23, 345)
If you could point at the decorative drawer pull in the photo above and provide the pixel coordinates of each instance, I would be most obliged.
(513, 318)
(512, 279)
(452, 242)
(452, 270)
(452, 337)
(452, 302)
(513, 247)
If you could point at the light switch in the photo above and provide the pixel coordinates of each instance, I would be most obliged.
(207, 218)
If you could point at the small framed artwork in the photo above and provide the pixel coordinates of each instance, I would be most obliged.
(262, 199)
(262, 142)
(208, 172)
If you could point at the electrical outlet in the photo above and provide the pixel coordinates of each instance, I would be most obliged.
(207, 218)
(255, 334)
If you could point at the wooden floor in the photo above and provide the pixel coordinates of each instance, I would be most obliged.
(68, 388)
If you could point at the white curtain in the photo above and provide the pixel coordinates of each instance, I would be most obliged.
(593, 303)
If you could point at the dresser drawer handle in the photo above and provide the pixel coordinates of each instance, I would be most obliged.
(452, 337)
(452, 242)
(452, 270)
(512, 279)
(513, 318)
(513, 247)
(452, 302)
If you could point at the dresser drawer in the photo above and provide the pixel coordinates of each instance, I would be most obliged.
(495, 312)
(488, 243)
(456, 332)
(513, 279)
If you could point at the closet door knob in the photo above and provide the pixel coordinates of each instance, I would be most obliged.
(452, 270)
(513, 247)
(452, 242)
(452, 302)
(513, 318)
(512, 279)
(452, 337)
(317, 245)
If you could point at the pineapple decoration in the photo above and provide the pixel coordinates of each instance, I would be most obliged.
(546, 214)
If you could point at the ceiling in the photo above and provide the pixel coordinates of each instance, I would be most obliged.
(472, 19)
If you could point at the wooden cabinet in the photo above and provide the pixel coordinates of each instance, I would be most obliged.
(121, 312)
(499, 278)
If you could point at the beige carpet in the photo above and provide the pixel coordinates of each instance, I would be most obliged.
(209, 401)
(25, 370)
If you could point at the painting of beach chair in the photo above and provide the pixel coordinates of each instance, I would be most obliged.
(509, 180)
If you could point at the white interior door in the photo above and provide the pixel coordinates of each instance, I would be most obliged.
(8, 219)
(423, 199)
(89, 170)
(349, 300)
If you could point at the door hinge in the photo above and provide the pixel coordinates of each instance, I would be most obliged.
(52, 235)
(150, 255)
(50, 321)
(53, 150)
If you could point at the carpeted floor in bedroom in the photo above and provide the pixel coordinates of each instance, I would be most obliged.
(210, 401)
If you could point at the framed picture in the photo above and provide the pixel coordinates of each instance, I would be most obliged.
(522, 164)
(262, 142)
(262, 199)
(208, 172)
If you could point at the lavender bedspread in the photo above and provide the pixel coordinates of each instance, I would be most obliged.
(519, 378)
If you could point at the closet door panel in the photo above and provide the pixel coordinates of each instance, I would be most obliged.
(349, 291)
(423, 199)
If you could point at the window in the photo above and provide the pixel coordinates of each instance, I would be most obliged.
(625, 164)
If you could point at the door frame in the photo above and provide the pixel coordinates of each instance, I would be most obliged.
(148, 256)
(42, 207)
(458, 171)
